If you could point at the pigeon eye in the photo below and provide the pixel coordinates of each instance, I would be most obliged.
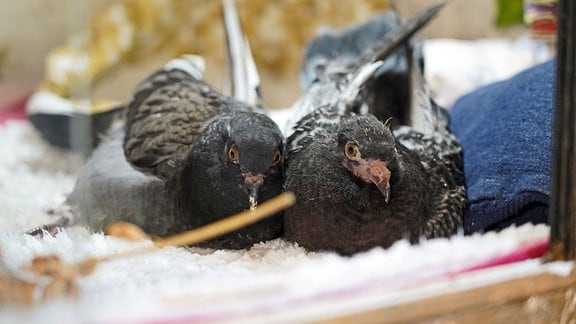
(351, 151)
(233, 154)
(277, 157)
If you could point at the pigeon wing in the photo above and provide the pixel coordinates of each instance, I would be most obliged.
(167, 113)
(441, 157)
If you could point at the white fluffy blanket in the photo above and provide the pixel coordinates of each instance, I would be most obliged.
(276, 280)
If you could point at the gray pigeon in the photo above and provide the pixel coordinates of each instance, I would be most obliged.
(186, 156)
(359, 181)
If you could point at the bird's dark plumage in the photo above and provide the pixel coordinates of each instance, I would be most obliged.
(186, 156)
(360, 182)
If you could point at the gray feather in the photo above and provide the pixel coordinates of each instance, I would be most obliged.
(108, 188)
(245, 84)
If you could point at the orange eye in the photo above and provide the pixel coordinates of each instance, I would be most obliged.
(233, 154)
(351, 151)
(277, 157)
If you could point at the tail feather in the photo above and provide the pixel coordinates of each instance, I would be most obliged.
(245, 81)
(423, 115)
(331, 51)
(400, 93)
(375, 67)
(392, 40)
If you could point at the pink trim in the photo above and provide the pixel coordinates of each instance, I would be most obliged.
(14, 111)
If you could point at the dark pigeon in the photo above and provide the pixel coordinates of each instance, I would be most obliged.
(187, 156)
(360, 182)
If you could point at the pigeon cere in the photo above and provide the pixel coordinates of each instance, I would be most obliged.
(367, 152)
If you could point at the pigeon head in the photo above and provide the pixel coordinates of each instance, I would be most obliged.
(254, 151)
(235, 164)
(367, 148)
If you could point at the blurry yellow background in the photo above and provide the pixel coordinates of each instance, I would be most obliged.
(277, 31)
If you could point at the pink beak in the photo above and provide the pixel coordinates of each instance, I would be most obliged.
(376, 172)
(253, 182)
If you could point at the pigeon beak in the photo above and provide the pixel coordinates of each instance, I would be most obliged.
(253, 182)
(374, 171)
(379, 175)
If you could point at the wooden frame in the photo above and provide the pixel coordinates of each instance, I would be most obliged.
(542, 298)
(562, 217)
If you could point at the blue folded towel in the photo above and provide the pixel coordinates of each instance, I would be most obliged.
(506, 131)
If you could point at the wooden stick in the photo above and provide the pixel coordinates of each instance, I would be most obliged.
(231, 223)
(218, 228)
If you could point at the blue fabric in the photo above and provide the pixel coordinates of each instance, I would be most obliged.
(506, 132)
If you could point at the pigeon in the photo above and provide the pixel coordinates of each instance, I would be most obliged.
(187, 155)
(360, 181)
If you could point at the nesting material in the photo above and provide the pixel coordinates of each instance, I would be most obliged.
(273, 280)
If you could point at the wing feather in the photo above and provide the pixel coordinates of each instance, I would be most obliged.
(165, 117)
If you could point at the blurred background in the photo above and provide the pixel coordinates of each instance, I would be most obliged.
(104, 48)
